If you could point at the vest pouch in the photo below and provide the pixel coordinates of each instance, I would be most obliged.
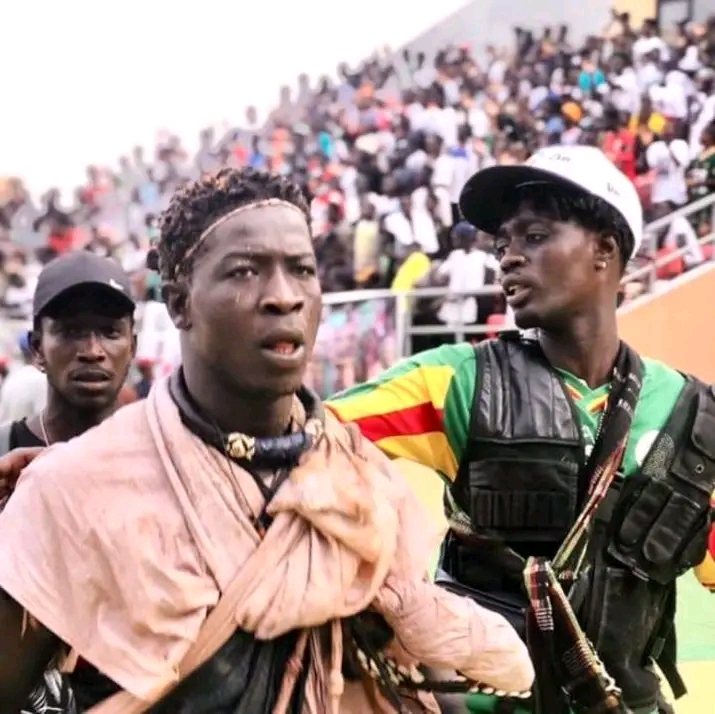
(522, 500)
(620, 616)
(664, 519)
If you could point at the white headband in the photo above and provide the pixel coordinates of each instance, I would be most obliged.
(241, 209)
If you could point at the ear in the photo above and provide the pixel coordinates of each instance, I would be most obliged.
(38, 356)
(178, 302)
(134, 345)
(607, 252)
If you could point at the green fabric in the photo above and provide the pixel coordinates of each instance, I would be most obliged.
(661, 389)
(702, 169)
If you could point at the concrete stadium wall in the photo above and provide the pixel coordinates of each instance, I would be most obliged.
(676, 325)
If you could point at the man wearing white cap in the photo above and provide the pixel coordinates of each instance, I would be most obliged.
(579, 473)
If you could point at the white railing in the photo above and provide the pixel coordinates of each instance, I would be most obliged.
(652, 229)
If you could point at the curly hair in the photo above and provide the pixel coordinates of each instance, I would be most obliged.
(590, 212)
(195, 206)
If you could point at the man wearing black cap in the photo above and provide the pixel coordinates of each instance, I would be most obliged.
(83, 339)
(579, 473)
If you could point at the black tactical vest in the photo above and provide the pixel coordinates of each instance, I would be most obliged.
(519, 484)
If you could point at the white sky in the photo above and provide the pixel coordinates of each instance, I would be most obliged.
(85, 80)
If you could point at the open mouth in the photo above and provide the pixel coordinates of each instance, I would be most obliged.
(516, 294)
(284, 348)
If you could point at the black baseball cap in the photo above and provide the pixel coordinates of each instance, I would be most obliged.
(80, 269)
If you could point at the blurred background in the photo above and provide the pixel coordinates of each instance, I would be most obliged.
(107, 111)
(381, 109)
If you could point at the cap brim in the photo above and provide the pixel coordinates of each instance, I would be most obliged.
(113, 295)
(482, 200)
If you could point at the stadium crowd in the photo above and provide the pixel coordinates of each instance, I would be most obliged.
(384, 151)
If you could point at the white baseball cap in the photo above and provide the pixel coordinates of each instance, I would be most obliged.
(583, 168)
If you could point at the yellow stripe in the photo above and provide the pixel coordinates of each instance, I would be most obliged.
(428, 487)
(420, 385)
(705, 572)
(598, 403)
(431, 450)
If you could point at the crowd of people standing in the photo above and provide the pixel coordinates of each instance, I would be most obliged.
(383, 152)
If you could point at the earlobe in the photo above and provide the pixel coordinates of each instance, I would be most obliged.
(606, 251)
(178, 303)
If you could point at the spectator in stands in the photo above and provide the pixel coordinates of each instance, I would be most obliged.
(701, 175)
(465, 269)
(619, 142)
(649, 45)
(668, 159)
(411, 224)
(24, 391)
(20, 285)
(333, 249)
(465, 162)
(679, 233)
(623, 84)
(413, 270)
(145, 367)
(702, 107)
(366, 247)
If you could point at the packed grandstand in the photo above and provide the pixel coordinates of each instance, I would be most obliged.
(383, 152)
(384, 160)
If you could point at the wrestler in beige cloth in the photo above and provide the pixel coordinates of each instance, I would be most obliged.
(348, 533)
(138, 527)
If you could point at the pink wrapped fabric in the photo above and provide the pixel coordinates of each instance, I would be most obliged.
(121, 541)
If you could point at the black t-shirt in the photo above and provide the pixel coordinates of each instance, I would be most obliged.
(53, 694)
(21, 436)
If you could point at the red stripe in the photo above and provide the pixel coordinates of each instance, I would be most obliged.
(422, 419)
(575, 394)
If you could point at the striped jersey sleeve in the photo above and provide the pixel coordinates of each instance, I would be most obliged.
(705, 572)
(419, 409)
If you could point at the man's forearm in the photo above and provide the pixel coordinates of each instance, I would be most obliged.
(26, 649)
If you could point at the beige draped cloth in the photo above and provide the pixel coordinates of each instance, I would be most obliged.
(121, 540)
